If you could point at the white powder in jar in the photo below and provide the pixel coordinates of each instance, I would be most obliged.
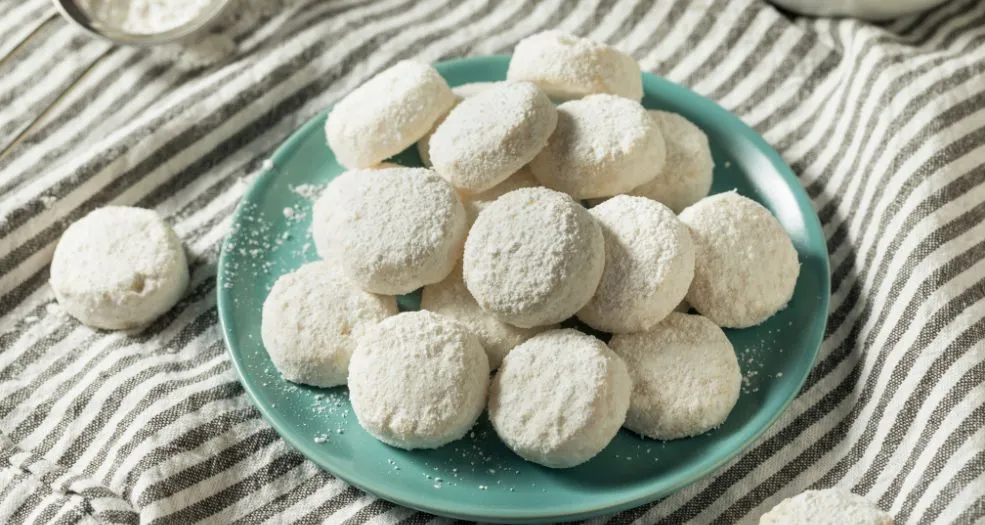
(145, 17)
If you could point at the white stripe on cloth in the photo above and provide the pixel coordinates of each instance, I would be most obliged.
(811, 90)
(964, 455)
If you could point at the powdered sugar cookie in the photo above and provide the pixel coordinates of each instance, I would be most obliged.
(118, 268)
(326, 215)
(326, 212)
(312, 319)
(461, 92)
(603, 145)
(686, 377)
(685, 177)
(490, 135)
(473, 88)
(401, 228)
(566, 66)
(834, 506)
(418, 380)
(649, 263)
(533, 257)
(475, 202)
(745, 266)
(452, 299)
(424, 145)
(559, 398)
(387, 114)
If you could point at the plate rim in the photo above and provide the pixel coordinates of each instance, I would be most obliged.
(638, 496)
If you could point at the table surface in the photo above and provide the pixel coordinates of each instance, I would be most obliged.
(881, 123)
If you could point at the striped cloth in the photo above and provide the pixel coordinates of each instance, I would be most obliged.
(884, 124)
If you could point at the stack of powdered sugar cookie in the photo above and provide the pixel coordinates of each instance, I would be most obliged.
(496, 232)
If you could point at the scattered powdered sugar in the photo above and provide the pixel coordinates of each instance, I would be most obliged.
(754, 358)
(219, 39)
(469, 464)
(206, 51)
(251, 238)
(333, 403)
(146, 17)
(260, 241)
(748, 381)
(308, 191)
(55, 309)
(48, 200)
(292, 214)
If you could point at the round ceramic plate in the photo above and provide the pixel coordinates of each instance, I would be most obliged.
(477, 477)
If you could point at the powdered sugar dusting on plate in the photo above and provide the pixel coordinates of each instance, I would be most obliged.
(308, 191)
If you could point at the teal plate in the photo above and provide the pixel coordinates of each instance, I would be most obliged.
(477, 477)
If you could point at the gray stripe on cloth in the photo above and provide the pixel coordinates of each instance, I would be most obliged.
(369, 512)
(974, 513)
(152, 395)
(328, 507)
(952, 268)
(9, 401)
(54, 488)
(208, 467)
(216, 502)
(190, 439)
(631, 20)
(21, 20)
(971, 380)
(841, 100)
(660, 32)
(971, 470)
(160, 421)
(277, 505)
(701, 31)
